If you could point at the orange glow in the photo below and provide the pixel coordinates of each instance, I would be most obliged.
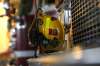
(77, 52)
(2, 1)
(13, 23)
(47, 59)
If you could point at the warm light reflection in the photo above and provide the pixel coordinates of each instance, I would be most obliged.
(98, 5)
(2, 11)
(47, 59)
(4, 35)
(77, 52)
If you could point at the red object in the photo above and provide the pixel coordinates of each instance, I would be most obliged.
(21, 62)
(53, 31)
(50, 31)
